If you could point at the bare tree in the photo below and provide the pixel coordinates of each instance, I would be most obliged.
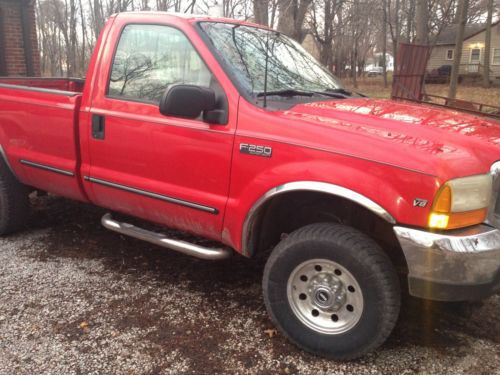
(394, 24)
(261, 11)
(422, 22)
(487, 46)
(458, 48)
(292, 14)
(384, 41)
(324, 27)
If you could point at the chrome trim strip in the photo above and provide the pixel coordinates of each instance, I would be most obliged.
(316, 186)
(149, 194)
(47, 168)
(4, 156)
(39, 89)
(163, 241)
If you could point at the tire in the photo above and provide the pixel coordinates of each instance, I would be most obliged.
(342, 310)
(14, 202)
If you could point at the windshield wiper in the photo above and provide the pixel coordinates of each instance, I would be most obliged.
(342, 92)
(286, 92)
(332, 93)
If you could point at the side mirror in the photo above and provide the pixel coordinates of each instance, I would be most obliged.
(188, 101)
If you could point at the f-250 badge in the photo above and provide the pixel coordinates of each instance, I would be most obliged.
(265, 151)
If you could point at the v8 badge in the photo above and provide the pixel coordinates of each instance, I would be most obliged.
(418, 202)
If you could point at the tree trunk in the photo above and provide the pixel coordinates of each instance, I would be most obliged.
(260, 10)
(458, 49)
(398, 28)
(422, 22)
(339, 46)
(292, 14)
(410, 24)
(384, 41)
(487, 46)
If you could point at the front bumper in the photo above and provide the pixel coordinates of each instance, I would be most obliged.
(457, 265)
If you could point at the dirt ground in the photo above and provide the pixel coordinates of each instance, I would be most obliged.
(77, 299)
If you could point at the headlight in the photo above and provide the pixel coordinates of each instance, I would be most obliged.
(461, 202)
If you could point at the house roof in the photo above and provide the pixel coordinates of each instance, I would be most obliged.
(23, 2)
(448, 35)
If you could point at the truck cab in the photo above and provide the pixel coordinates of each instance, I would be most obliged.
(231, 131)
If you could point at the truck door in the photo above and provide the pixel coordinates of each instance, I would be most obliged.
(169, 170)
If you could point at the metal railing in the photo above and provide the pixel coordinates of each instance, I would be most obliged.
(464, 105)
(471, 69)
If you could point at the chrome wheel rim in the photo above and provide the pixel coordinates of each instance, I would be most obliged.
(325, 296)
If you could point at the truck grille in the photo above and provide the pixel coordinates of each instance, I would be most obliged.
(494, 211)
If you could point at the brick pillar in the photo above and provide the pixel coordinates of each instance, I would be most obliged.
(3, 60)
(19, 55)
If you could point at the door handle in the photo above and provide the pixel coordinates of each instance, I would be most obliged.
(98, 126)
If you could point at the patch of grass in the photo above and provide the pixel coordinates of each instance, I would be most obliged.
(374, 87)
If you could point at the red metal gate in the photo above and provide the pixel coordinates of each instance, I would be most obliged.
(409, 77)
(409, 72)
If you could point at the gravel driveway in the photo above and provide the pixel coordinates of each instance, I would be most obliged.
(77, 299)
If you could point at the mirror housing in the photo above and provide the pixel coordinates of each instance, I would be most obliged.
(189, 101)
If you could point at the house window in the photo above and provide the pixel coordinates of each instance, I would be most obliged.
(495, 56)
(449, 54)
(475, 55)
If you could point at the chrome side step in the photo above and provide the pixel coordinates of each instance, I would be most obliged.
(161, 240)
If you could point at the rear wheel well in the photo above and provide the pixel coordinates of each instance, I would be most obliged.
(290, 211)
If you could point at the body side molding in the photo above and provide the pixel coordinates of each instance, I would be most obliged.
(152, 195)
(47, 168)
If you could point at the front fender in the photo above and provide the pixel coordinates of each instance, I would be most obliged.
(386, 190)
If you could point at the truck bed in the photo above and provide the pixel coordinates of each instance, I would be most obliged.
(39, 132)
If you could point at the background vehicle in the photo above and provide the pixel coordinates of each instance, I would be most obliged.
(234, 133)
(375, 71)
(439, 75)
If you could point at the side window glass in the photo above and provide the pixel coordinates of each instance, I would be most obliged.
(151, 57)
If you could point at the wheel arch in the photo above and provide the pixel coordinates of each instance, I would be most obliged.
(261, 207)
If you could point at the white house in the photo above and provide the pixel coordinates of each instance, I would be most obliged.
(472, 61)
(375, 62)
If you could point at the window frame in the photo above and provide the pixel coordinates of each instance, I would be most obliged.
(493, 56)
(452, 54)
(470, 56)
(115, 49)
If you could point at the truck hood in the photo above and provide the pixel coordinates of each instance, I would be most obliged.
(424, 138)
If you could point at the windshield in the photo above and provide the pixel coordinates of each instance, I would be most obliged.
(245, 49)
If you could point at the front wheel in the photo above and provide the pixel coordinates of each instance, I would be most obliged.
(332, 291)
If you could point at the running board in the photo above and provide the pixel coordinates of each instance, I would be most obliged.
(163, 241)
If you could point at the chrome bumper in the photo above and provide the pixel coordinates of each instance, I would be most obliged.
(453, 266)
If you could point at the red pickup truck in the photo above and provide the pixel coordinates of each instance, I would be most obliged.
(233, 132)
